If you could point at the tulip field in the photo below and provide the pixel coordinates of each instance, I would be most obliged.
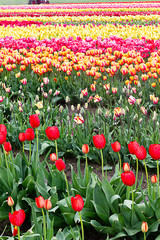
(80, 82)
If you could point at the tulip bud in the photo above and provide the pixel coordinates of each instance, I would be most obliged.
(78, 106)
(10, 201)
(154, 179)
(67, 99)
(37, 98)
(81, 96)
(157, 124)
(127, 109)
(126, 167)
(48, 109)
(140, 120)
(53, 157)
(135, 117)
(140, 94)
(86, 105)
(47, 204)
(144, 227)
(154, 116)
(85, 148)
(72, 108)
(61, 109)
(99, 111)
(40, 202)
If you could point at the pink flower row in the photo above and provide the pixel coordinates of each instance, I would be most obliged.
(144, 46)
(81, 13)
(88, 5)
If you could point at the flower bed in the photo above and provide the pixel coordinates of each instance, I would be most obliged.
(80, 81)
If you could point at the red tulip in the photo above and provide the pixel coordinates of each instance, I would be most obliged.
(17, 218)
(77, 203)
(3, 129)
(141, 153)
(52, 133)
(47, 204)
(53, 157)
(15, 231)
(2, 137)
(128, 178)
(10, 201)
(60, 165)
(40, 202)
(85, 148)
(99, 141)
(22, 137)
(154, 179)
(29, 134)
(7, 146)
(132, 146)
(126, 167)
(34, 121)
(116, 146)
(154, 151)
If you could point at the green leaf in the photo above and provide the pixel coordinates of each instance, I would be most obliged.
(100, 203)
(109, 193)
(102, 229)
(43, 192)
(69, 218)
(119, 235)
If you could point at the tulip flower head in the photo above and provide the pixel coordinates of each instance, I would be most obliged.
(22, 137)
(128, 178)
(144, 227)
(47, 204)
(85, 148)
(7, 147)
(60, 165)
(40, 202)
(126, 167)
(29, 134)
(17, 218)
(116, 146)
(10, 201)
(2, 137)
(154, 151)
(34, 121)
(99, 141)
(77, 203)
(154, 179)
(52, 133)
(53, 157)
(141, 153)
(3, 129)
(132, 147)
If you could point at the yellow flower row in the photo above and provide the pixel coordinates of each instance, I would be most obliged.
(82, 10)
(44, 32)
(85, 18)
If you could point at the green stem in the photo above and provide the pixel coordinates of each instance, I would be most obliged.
(5, 156)
(120, 164)
(87, 176)
(44, 224)
(56, 148)
(136, 172)
(146, 176)
(81, 225)
(29, 152)
(23, 146)
(144, 236)
(12, 210)
(128, 193)
(37, 147)
(158, 177)
(154, 191)
(102, 164)
(66, 183)
(18, 233)
(132, 199)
